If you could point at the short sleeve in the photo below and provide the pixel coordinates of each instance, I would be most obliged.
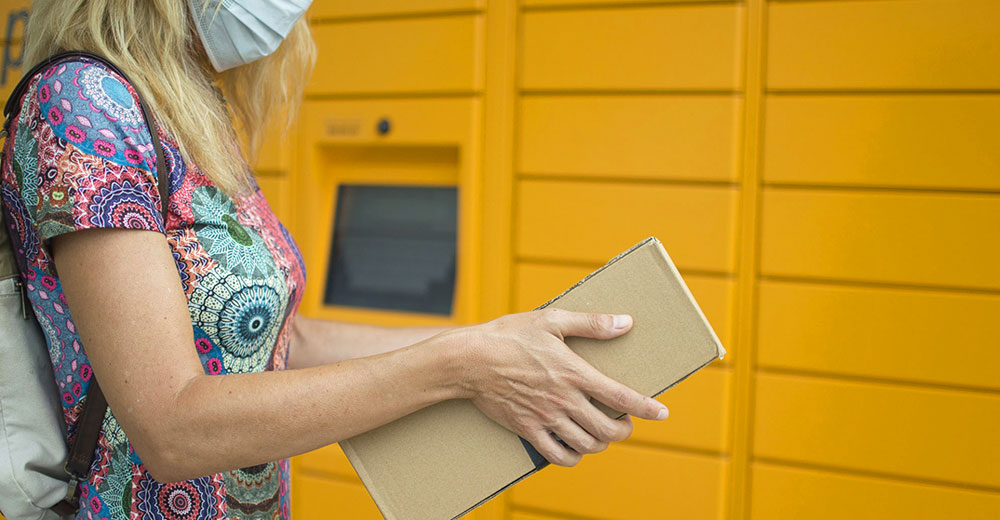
(83, 156)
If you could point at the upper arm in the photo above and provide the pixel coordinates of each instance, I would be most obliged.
(132, 317)
(83, 171)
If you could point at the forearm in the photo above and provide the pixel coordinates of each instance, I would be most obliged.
(318, 342)
(267, 416)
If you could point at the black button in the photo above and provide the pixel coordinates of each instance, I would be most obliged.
(384, 126)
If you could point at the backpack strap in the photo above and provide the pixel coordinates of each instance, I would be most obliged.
(81, 451)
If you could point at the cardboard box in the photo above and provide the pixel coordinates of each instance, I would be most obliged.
(445, 460)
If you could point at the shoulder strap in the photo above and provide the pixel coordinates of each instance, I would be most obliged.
(81, 451)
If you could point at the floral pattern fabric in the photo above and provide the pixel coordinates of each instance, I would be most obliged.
(79, 156)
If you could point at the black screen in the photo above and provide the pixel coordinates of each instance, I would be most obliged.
(394, 248)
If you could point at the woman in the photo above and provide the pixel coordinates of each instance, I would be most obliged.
(205, 432)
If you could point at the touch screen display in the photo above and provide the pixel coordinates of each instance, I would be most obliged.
(394, 248)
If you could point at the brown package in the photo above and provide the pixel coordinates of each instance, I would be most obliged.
(445, 460)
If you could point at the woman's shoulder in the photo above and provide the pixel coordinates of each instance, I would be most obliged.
(80, 155)
(88, 104)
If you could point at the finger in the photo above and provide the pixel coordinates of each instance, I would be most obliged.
(622, 398)
(587, 324)
(601, 426)
(577, 438)
(552, 450)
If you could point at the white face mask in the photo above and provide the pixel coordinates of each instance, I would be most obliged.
(242, 31)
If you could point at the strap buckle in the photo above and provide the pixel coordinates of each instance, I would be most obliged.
(73, 492)
(70, 505)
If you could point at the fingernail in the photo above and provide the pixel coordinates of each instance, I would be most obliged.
(663, 414)
(622, 321)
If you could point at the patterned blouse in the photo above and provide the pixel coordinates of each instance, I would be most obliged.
(79, 156)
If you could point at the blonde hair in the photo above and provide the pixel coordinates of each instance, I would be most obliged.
(155, 43)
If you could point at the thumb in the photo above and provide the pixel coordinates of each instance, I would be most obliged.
(589, 325)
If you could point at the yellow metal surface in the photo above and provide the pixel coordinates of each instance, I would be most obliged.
(277, 191)
(583, 3)
(277, 151)
(699, 414)
(594, 221)
(672, 47)
(13, 20)
(414, 122)
(329, 460)
(426, 55)
(272, 169)
(885, 44)
(909, 238)
(14, 5)
(519, 515)
(928, 141)
(630, 136)
(658, 484)
(315, 498)
(13, 71)
(915, 432)
(937, 337)
(836, 220)
(748, 265)
(498, 130)
(358, 8)
(786, 492)
(13, 24)
(535, 283)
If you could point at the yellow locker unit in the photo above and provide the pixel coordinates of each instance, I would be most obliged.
(368, 147)
(366, 151)
(824, 173)
(875, 389)
(628, 119)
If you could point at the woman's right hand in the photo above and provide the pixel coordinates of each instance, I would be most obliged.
(523, 376)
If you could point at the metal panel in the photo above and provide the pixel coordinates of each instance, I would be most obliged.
(699, 414)
(329, 460)
(278, 192)
(918, 44)
(667, 137)
(594, 221)
(599, 3)
(882, 333)
(923, 141)
(426, 55)
(629, 482)
(784, 492)
(940, 435)
(908, 238)
(357, 8)
(320, 499)
(673, 47)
